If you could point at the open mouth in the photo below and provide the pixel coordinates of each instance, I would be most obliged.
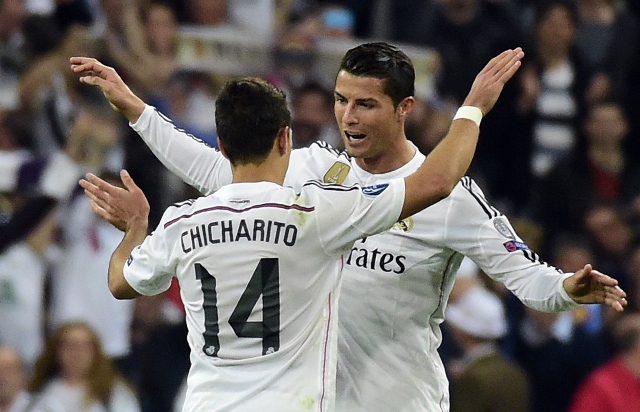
(355, 136)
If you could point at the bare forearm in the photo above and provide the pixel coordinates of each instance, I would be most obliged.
(118, 285)
(131, 107)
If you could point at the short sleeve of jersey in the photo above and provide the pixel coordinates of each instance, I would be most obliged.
(348, 213)
(148, 269)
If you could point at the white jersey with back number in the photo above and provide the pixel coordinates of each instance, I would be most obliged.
(259, 269)
(395, 284)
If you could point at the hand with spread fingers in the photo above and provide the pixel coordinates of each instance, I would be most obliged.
(488, 84)
(590, 286)
(125, 208)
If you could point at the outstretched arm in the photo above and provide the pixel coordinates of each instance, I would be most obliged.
(128, 210)
(449, 161)
(196, 163)
(590, 286)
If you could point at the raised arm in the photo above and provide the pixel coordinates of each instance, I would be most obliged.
(451, 158)
(196, 163)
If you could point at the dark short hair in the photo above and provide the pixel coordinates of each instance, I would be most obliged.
(383, 61)
(249, 113)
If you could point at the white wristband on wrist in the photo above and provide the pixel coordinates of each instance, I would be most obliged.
(469, 112)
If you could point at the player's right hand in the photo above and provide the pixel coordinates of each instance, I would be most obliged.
(488, 84)
(121, 98)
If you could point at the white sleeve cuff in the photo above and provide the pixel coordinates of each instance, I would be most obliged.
(569, 303)
(144, 119)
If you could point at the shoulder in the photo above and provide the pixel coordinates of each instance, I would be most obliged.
(320, 151)
(177, 211)
(469, 196)
(317, 185)
(322, 146)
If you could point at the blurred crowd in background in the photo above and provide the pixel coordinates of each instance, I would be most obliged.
(559, 155)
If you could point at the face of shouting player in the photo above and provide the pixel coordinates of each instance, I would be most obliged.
(371, 128)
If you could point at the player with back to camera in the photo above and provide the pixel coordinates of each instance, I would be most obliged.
(395, 284)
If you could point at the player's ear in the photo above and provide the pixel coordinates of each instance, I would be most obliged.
(405, 107)
(284, 140)
(221, 147)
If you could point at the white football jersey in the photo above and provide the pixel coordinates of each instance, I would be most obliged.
(259, 269)
(395, 284)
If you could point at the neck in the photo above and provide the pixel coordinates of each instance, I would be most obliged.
(607, 157)
(395, 156)
(271, 170)
(554, 57)
(73, 380)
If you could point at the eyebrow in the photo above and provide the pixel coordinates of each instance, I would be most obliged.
(360, 101)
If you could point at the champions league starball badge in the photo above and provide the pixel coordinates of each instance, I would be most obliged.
(502, 226)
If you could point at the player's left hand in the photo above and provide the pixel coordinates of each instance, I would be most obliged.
(590, 286)
(125, 208)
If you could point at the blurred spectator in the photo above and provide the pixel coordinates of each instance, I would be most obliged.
(13, 381)
(73, 374)
(557, 350)
(604, 32)
(164, 365)
(51, 93)
(598, 173)
(613, 238)
(258, 17)
(570, 253)
(77, 290)
(147, 52)
(551, 101)
(33, 189)
(466, 34)
(69, 13)
(23, 272)
(41, 36)
(313, 118)
(149, 314)
(336, 21)
(483, 380)
(615, 386)
(189, 106)
(633, 271)
(206, 12)
(557, 354)
(12, 14)
(357, 15)
(427, 124)
(143, 45)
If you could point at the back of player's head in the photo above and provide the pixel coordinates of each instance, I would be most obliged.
(249, 114)
(386, 62)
